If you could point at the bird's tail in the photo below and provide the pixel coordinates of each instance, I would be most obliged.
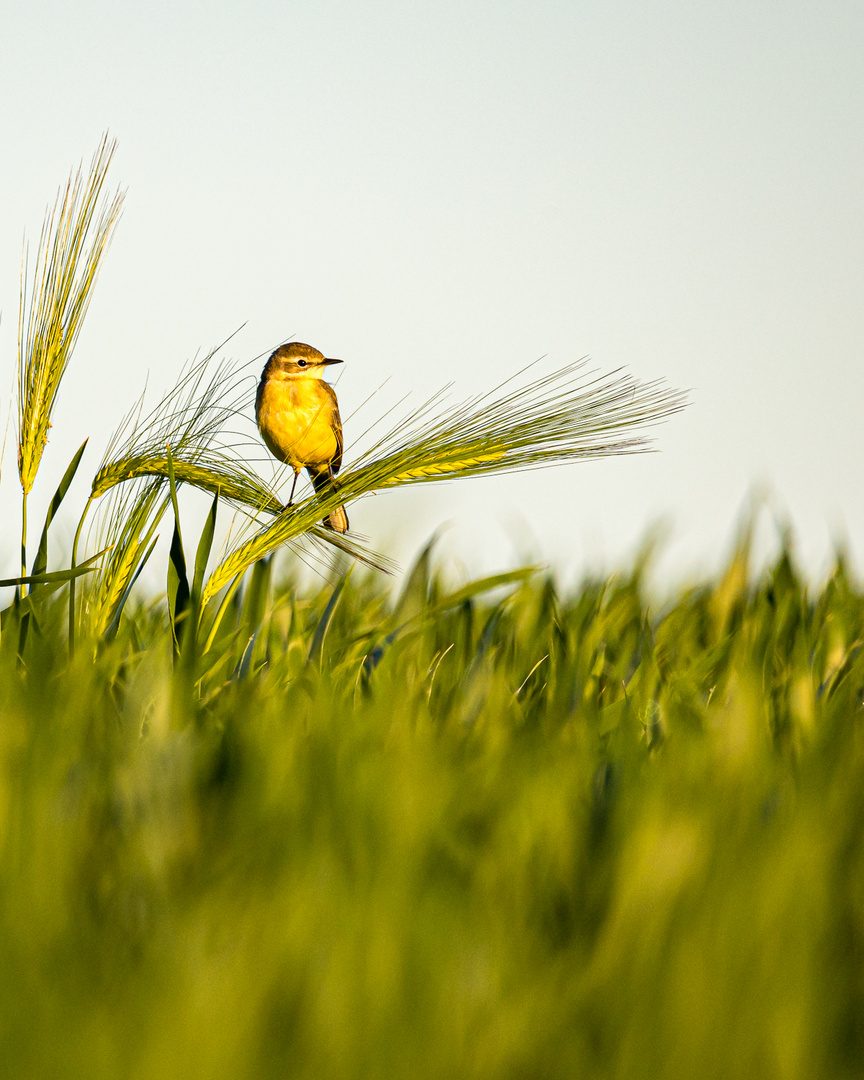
(323, 483)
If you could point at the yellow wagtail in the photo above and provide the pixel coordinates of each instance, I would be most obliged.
(298, 417)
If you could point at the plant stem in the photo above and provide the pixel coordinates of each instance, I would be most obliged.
(23, 587)
(72, 580)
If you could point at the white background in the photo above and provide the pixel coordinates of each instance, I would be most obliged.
(445, 192)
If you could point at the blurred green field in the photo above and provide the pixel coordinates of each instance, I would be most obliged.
(485, 832)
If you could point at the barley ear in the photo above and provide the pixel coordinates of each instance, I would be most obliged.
(53, 303)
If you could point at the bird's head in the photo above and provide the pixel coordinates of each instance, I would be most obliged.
(298, 359)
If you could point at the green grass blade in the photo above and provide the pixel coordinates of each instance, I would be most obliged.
(245, 665)
(58, 577)
(23, 609)
(257, 593)
(253, 612)
(316, 649)
(477, 588)
(205, 543)
(41, 561)
(415, 592)
(178, 581)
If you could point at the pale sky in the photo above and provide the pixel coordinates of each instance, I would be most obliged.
(446, 192)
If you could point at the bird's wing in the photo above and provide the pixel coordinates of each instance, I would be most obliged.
(336, 463)
(258, 394)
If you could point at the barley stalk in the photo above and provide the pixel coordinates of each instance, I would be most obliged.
(210, 470)
(73, 242)
(561, 417)
(131, 525)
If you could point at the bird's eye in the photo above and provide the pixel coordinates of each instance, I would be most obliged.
(301, 363)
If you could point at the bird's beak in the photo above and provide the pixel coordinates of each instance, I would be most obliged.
(332, 361)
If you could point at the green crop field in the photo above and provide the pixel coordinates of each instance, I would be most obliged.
(253, 827)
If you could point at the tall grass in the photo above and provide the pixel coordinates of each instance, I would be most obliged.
(487, 829)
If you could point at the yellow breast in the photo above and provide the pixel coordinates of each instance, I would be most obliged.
(296, 421)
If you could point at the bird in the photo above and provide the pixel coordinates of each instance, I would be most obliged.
(298, 417)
